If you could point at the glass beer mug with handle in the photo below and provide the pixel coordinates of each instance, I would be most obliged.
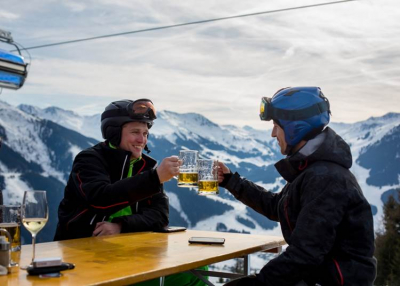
(188, 170)
(10, 219)
(208, 177)
(34, 213)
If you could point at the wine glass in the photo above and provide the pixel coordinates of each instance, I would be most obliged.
(34, 214)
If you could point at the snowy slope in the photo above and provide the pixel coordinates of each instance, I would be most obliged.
(23, 133)
(36, 154)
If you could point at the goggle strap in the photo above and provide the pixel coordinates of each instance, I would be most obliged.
(300, 114)
(114, 113)
(149, 114)
(143, 99)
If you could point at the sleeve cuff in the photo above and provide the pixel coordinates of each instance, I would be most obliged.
(227, 177)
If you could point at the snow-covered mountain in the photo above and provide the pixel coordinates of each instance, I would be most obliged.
(36, 154)
(40, 144)
(87, 125)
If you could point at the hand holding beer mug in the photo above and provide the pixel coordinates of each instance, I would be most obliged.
(208, 177)
(222, 171)
(10, 219)
(168, 168)
(188, 169)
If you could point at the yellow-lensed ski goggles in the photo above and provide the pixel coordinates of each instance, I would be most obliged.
(266, 109)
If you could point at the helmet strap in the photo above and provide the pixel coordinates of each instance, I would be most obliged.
(288, 150)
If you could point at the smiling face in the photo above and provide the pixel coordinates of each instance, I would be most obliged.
(134, 138)
(279, 134)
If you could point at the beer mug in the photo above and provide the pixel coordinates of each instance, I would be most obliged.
(10, 219)
(188, 170)
(208, 177)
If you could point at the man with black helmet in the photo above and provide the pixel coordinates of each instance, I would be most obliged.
(113, 187)
(324, 217)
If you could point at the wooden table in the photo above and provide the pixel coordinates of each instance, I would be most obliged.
(130, 258)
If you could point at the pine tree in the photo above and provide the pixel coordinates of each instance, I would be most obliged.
(387, 242)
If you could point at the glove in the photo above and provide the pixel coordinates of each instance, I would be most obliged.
(227, 177)
(250, 280)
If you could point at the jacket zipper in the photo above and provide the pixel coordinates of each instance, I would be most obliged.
(144, 164)
(123, 167)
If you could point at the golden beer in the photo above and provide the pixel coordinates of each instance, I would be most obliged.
(187, 179)
(14, 230)
(208, 188)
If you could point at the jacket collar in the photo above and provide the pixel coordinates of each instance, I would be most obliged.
(327, 146)
(118, 160)
(290, 167)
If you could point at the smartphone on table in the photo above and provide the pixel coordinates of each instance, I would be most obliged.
(207, 240)
(171, 229)
(50, 269)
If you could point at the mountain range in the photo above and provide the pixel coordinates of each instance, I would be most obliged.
(39, 146)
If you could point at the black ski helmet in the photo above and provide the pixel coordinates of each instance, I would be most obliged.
(117, 113)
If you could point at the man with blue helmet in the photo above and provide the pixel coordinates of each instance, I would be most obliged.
(324, 217)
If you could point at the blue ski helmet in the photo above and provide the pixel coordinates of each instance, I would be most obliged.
(302, 112)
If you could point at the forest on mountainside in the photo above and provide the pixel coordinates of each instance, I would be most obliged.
(387, 242)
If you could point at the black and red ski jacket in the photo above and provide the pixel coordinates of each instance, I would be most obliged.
(324, 216)
(98, 187)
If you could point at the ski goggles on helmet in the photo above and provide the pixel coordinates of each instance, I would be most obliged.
(141, 109)
(266, 109)
(268, 112)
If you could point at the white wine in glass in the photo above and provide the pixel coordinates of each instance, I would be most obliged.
(34, 214)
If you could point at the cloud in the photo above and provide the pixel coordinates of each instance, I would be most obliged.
(220, 69)
(5, 15)
(75, 6)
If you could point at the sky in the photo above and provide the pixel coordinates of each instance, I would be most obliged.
(219, 69)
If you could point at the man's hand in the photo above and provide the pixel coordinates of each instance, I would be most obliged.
(222, 169)
(107, 228)
(168, 168)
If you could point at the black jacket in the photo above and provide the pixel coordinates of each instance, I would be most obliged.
(97, 188)
(325, 219)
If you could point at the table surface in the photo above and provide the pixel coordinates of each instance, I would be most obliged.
(130, 258)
